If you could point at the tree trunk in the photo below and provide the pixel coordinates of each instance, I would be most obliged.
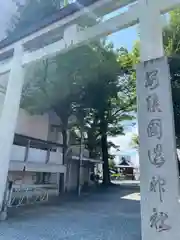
(64, 149)
(64, 156)
(64, 131)
(105, 155)
(91, 144)
(65, 144)
(178, 163)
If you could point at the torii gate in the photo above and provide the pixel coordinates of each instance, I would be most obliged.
(159, 206)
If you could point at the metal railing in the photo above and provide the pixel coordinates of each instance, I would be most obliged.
(25, 196)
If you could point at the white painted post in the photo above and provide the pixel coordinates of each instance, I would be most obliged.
(9, 116)
(150, 30)
(158, 162)
(81, 151)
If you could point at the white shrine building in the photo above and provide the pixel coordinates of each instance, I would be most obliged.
(156, 128)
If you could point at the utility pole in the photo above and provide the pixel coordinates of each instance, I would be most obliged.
(80, 162)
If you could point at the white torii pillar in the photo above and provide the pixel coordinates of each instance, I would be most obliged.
(158, 162)
(8, 118)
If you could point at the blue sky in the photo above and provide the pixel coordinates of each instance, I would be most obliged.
(125, 38)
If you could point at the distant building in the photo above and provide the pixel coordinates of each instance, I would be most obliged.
(127, 158)
(126, 168)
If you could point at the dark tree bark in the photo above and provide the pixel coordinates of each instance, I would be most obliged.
(178, 163)
(65, 145)
(64, 129)
(105, 155)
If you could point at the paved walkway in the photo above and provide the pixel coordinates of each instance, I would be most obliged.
(107, 215)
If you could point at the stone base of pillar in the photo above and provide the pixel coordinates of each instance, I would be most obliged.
(3, 215)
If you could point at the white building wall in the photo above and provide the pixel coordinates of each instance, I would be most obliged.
(35, 126)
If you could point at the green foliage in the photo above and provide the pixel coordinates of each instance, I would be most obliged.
(172, 33)
(171, 39)
(135, 141)
(112, 164)
(115, 175)
(58, 79)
